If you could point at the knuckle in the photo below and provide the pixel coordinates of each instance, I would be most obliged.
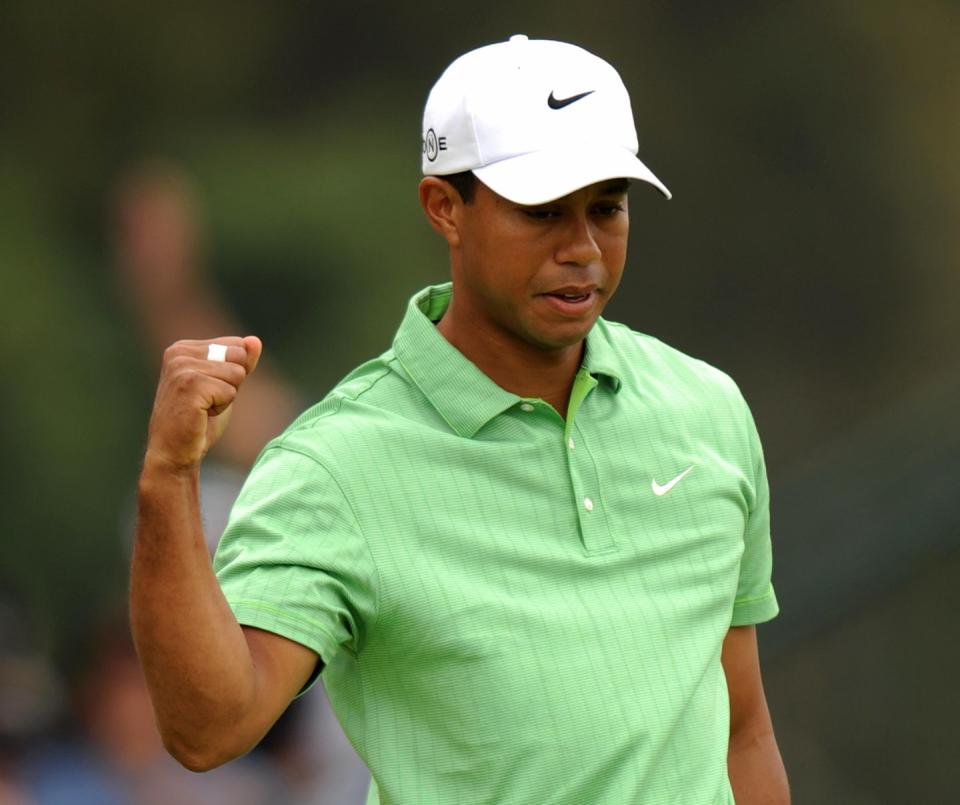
(185, 378)
(181, 382)
(179, 365)
(174, 350)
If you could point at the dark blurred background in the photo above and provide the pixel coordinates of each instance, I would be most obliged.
(811, 250)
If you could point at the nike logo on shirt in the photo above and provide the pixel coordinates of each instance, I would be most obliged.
(659, 491)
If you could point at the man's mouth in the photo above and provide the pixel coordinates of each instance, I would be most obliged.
(572, 299)
(572, 292)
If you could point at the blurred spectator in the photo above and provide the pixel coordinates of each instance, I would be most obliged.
(117, 757)
(31, 696)
(10, 792)
(158, 239)
(161, 268)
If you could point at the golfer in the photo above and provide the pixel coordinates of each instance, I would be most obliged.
(525, 548)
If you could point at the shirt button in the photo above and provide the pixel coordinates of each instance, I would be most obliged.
(588, 504)
(526, 407)
(570, 443)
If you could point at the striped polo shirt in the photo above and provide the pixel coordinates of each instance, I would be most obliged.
(510, 606)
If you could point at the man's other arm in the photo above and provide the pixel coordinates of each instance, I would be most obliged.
(754, 764)
(216, 687)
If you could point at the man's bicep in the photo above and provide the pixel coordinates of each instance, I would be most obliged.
(283, 668)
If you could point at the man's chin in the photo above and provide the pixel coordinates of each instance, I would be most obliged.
(562, 337)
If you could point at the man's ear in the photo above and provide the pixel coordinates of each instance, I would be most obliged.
(443, 207)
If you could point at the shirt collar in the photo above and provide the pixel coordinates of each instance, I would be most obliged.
(601, 357)
(461, 393)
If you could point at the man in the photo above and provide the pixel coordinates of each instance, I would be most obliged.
(526, 547)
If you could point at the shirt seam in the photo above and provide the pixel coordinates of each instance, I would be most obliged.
(336, 397)
(369, 385)
(285, 614)
(376, 569)
(353, 512)
(754, 457)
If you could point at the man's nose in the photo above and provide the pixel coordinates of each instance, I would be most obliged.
(578, 245)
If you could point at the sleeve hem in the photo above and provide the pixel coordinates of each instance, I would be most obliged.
(755, 609)
(281, 443)
(271, 619)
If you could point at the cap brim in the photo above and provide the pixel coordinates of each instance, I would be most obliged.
(543, 176)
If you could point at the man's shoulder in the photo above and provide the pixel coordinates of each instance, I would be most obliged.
(648, 360)
(366, 405)
(360, 384)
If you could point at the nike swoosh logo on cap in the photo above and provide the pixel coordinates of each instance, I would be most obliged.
(662, 490)
(559, 103)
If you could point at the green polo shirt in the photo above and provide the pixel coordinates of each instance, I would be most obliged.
(512, 607)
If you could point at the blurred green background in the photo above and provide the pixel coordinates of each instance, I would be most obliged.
(811, 250)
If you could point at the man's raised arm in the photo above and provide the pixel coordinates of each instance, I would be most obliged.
(216, 687)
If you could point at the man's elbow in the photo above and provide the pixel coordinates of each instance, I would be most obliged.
(199, 757)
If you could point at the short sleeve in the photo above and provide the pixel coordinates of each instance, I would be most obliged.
(756, 601)
(293, 560)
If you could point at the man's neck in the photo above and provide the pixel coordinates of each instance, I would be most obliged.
(518, 367)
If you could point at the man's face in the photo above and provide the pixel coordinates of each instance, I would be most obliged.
(541, 275)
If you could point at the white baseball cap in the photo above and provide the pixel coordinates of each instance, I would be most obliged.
(533, 119)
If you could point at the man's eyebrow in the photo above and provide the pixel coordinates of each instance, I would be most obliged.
(615, 186)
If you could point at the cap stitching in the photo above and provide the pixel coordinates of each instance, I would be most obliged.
(468, 103)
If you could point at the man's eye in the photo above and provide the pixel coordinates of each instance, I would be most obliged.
(541, 214)
(609, 209)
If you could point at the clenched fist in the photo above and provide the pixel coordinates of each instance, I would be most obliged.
(193, 399)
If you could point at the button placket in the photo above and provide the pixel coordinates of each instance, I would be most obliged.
(594, 527)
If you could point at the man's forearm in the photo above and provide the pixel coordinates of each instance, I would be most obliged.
(194, 655)
(756, 770)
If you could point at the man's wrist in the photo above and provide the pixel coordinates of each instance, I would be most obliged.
(160, 472)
